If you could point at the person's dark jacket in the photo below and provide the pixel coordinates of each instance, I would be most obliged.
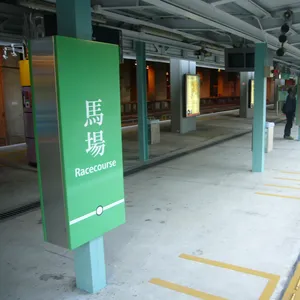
(290, 104)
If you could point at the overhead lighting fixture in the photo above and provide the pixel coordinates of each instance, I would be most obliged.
(287, 14)
(280, 51)
(285, 28)
(282, 38)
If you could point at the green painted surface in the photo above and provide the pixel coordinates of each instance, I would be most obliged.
(88, 89)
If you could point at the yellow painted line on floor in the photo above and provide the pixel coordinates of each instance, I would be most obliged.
(272, 278)
(293, 290)
(184, 290)
(286, 172)
(277, 196)
(288, 179)
(283, 186)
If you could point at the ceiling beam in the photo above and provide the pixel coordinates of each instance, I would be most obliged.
(293, 40)
(182, 24)
(205, 13)
(280, 12)
(248, 5)
(253, 8)
(272, 24)
(98, 10)
(135, 35)
(222, 2)
(129, 7)
(135, 21)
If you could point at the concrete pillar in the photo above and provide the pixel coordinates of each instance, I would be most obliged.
(179, 68)
(74, 20)
(245, 110)
(259, 121)
(142, 101)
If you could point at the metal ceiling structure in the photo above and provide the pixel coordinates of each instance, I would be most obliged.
(191, 29)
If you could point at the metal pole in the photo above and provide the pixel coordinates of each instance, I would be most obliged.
(142, 101)
(74, 19)
(259, 120)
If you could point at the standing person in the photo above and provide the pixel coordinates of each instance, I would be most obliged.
(289, 109)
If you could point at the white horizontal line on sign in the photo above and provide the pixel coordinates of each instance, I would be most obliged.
(93, 213)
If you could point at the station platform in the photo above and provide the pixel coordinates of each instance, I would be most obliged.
(201, 226)
(211, 129)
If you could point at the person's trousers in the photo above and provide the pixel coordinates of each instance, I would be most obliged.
(289, 124)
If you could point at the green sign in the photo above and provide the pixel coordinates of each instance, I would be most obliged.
(87, 101)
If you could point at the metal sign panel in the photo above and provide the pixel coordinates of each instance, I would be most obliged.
(78, 127)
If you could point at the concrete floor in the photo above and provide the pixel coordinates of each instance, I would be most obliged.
(203, 204)
(210, 129)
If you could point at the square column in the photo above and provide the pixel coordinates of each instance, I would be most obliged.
(178, 69)
(74, 19)
(141, 80)
(259, 121)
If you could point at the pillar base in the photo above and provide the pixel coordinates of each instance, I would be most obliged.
(90, 266)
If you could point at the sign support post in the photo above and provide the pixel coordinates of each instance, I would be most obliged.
(142, 101)
(259, 120)
(77, 120)
(89, 258)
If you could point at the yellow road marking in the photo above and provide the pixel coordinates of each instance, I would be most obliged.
(283, 186)
(289, 179)
(277, 196)
(184, 290)
(295, 173)
(293, 290)
(272, 278)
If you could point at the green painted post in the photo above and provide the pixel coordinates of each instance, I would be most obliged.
(74, 20)
(259, 120)
(142, 101)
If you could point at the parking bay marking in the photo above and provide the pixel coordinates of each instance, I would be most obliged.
(277, 195)
(283, 186)
(286, 172)
(266, 295)
(288, 179)
(184, 290)
(272, 278)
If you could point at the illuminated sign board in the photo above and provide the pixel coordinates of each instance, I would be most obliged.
(192, 96)
(251, 92)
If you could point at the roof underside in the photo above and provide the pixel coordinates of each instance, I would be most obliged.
(176, 28)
